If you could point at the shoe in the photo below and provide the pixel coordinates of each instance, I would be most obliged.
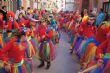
(41, 65)
(71, 52)
(48, 65)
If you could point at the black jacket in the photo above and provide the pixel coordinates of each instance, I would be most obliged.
(4, 14)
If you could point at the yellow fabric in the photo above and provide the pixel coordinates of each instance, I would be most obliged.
(84, 18)
(1, 42)
(91, 54)
(31, 48)
(1, 64)
(48, 49)
(37, 55)
(15, 70)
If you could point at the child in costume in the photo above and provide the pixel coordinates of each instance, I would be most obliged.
(11, 23)
(100, 38)
(79, 35)
(89, 31)
(46, 49)
(53, 25)
(103, 54)
(73, 26)
(30, 49)
(21, 20)
(13, 55)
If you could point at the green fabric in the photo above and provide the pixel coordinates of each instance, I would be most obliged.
(48, 50)
(107, 55)
(45, 53)
(19, 64)
(27, 67)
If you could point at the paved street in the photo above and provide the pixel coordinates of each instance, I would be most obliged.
(64, 62)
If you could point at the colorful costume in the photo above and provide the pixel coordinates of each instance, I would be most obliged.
(103, 52)
(13, 54)
(46, 49)
(100, 38)
(11, 23)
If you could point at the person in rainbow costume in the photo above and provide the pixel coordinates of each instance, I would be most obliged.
(12, 25)
(46, 49)
(13, 55)
(54, 27)
(101, 36)
(79, 35)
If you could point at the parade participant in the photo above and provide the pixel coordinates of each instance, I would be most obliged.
(79, 35)
(100, 18)
(46, 46)
(84, 18)
(54, 27)
(30, 50)
(73, 26)
(89, 32)
(35, 15)
(13, 55)
(21, 21)
(21, 10)
(52, 21)
(100, 38)
(104, 31)
(103, 54)
(34, 36)
(11, 23)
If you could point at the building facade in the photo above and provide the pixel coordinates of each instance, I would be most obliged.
(89, 4)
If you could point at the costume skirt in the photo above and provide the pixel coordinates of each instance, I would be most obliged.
(2, 69)
(21, 67)
(47, 50)
(77, 44)
(89, 54)
(84, 47)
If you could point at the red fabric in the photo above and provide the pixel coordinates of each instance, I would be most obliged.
(24, 22)
(89, 31)
(12, 51)
(101, 34)
(16, 26)
(50, 34)
(80, 30)
(103, 47)
(1, 22)
(42, 32)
